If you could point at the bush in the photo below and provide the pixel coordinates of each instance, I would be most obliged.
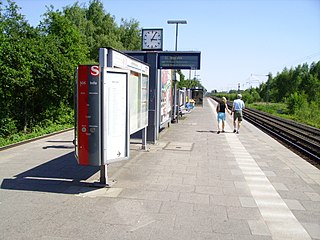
(58, 119)
(247, 98)
(296, 102)
(7, 127)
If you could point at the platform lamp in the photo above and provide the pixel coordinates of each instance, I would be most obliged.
(176, 22)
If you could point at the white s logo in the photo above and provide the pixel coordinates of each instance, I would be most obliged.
(95, 71)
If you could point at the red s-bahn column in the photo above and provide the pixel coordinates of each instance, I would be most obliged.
(83, 146)
(89, 112)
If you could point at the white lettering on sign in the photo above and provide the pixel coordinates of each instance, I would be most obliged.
(95, 83)
(95, 71)
(82, 83)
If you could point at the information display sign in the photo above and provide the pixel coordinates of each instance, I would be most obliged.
(179, 60)
(115, 115)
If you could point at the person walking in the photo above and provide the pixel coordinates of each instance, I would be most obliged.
(238, 106)
(221, 110)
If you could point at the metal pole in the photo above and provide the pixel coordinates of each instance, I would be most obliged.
(175, 82)
(103, 179)
(268, 83)
(175, 101)
(175, 114)
(103, 168)
(144, 138)
(176, 36)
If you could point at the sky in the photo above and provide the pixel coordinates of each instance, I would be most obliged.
(240, 41)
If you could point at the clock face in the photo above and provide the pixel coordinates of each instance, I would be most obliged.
(152, 39)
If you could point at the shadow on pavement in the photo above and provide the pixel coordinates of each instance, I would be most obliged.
(60, 175)
(200, 131)
(206, 131)
(61, 147)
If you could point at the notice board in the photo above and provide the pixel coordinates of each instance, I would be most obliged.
(115, 115)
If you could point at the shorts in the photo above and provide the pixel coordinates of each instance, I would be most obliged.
(238, 115)
(221, 116)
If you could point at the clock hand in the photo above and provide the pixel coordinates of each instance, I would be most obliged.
(153, 37)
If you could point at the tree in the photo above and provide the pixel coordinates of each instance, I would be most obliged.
(15, 74)
(37, 64)
(311, 83)
(67, 50)
(99, 28)
(281, 87)
(188, 83)
(130, 36)
(294, 83)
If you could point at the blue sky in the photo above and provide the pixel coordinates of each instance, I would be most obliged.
(236, 38)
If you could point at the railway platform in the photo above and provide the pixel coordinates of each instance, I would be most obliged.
(192, 184)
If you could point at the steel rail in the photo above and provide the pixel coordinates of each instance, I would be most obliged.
(308, 146)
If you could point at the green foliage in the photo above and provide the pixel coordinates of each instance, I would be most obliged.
(15, 74)
(273, 108)
(228, 96)
(297, 88)
(250, 95)
(99, 28)
(295, 102)
(188, 83)
(37, 64)
(309, 114)
(130, 34)
(295, 80)
(38, 131)
(7, 127)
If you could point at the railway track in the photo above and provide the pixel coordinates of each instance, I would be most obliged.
(303, 138)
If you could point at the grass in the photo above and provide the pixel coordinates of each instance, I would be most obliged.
(309, 116)
(19, 137)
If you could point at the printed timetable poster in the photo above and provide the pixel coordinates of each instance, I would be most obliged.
(115, 116)
(166, 95)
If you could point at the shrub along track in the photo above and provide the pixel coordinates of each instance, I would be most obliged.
(33, 139)
(302, 138)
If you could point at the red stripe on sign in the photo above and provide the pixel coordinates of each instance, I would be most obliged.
(83, 143)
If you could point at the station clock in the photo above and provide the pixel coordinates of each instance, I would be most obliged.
(152, 39)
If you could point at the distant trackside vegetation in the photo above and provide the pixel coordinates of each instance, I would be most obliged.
(294, 94)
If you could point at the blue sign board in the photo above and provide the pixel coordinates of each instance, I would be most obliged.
(179, 60)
